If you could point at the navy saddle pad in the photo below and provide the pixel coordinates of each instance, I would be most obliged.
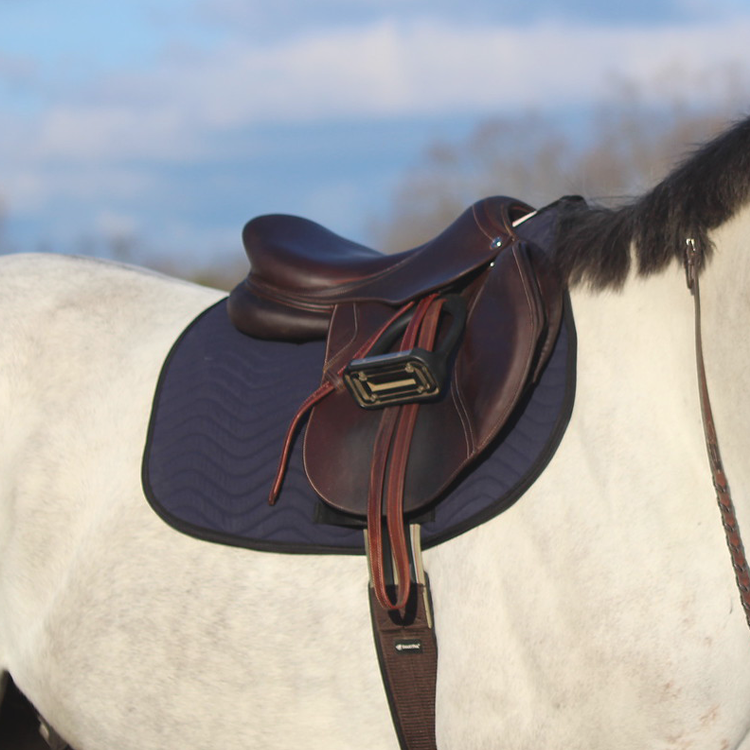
(221, 410)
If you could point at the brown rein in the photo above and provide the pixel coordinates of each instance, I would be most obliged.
(693, 262)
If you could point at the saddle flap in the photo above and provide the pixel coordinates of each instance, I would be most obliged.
(506, 332)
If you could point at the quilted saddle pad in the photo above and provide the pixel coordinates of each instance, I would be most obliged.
(220, 413)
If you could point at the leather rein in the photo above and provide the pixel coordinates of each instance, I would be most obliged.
(693, 263)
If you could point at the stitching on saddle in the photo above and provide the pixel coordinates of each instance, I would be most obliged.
(274, 294)
(529, 351)
(478, 222)
(334, 365)
(454, 386)
(463, 412)
(464, 416)
(496, 226)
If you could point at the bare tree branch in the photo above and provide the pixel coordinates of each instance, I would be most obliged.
(618, 151)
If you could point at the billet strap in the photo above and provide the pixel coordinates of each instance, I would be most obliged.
(407, 654)
(693, 263)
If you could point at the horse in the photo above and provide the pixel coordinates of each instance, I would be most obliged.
(599, 611)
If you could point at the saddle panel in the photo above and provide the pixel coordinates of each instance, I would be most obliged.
(300, 270)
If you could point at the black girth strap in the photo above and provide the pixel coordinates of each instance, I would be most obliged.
(406, 645)
(693, 263)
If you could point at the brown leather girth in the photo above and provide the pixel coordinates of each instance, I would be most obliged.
(693, 263)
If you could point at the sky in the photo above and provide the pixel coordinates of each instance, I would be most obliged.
(173, 122)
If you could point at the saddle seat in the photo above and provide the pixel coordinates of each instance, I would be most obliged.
(301, 270)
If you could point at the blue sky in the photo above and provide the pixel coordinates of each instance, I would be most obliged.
(174, 121)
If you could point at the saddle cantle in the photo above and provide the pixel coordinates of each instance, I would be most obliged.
(391, 463)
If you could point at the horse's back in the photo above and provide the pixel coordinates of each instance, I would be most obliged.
(585, 616)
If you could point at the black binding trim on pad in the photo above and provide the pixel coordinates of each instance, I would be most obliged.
(223, 402)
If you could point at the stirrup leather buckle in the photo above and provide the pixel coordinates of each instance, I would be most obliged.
(396, 378)
(384, 378)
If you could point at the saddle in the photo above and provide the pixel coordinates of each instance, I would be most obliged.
(427, 354)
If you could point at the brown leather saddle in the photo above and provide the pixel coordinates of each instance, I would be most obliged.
(428, 352)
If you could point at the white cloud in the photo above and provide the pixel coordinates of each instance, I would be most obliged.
(33, 185)
(104, 147)
(259, 19)
(391, 69)
(101, 131)
(385, 69)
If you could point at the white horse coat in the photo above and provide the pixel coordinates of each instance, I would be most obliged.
(600, 611)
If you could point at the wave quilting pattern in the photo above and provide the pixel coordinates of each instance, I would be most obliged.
(220, 414)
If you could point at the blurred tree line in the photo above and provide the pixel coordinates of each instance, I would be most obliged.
(609, 154)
